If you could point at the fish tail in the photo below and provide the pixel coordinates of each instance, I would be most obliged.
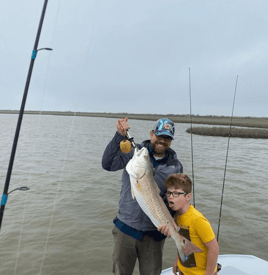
(185, 247)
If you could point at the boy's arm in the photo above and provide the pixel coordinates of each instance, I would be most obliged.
(175, 266)
(213, 252)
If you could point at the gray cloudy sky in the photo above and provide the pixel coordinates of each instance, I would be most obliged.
(134, 56)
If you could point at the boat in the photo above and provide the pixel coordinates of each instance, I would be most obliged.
(237, 264)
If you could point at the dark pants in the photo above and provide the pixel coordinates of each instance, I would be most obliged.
(127, 250)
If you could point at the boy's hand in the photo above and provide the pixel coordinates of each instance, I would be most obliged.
(175, 268)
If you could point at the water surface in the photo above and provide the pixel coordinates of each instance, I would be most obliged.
(63, 224)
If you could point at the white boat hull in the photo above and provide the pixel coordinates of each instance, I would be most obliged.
(237, 265)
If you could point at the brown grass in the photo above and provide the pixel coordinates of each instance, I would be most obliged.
(225, 132)
(252, 122)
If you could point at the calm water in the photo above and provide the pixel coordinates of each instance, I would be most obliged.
(63, 224)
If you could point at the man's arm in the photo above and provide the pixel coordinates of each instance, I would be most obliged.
(213, 252)
(113, 159)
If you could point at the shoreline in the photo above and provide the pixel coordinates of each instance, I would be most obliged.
(227, 132)
(251, 122)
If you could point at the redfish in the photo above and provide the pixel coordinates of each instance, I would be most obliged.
(145, 190)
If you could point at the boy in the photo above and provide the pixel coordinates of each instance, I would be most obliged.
(193, 226)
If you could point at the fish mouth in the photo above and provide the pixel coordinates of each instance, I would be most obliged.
(142, 152)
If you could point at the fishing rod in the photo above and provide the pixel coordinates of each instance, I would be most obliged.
(15, 142)
(226, 161)
(192, 149)
(131, 140)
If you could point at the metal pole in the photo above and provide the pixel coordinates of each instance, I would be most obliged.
(13, 152)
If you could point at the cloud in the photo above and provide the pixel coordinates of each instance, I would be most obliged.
(242, 59)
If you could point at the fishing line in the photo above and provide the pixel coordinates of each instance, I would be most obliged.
(36, 140)
(21, 229)
(17, 132)
(192, 149)
(85, 60)
(55, 200)
(24, 98)
(226, 161)
(92, 30)
(34, 159)
(59, 185)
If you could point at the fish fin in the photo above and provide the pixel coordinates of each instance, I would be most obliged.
(132, 183)
(129, 166)
(185, 247)
(132, 192)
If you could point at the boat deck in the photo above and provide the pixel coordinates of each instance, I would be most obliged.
(237, 265)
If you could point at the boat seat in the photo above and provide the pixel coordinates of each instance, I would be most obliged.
(230, 270)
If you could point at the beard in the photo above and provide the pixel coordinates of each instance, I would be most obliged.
(159, 147)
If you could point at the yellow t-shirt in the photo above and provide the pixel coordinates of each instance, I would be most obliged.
(197, 229)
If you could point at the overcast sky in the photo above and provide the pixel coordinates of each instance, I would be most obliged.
(134, 56)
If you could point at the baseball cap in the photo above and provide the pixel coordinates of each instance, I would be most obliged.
(164, 126)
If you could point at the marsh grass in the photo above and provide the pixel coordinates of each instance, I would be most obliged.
(225, 132)
(252, 122)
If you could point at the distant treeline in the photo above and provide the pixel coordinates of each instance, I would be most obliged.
(252, 122)
(225, 132)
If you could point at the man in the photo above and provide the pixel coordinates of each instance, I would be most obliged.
(135, 236)
(193, 226)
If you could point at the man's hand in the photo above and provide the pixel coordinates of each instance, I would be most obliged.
(122, 126)
(165, 230)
